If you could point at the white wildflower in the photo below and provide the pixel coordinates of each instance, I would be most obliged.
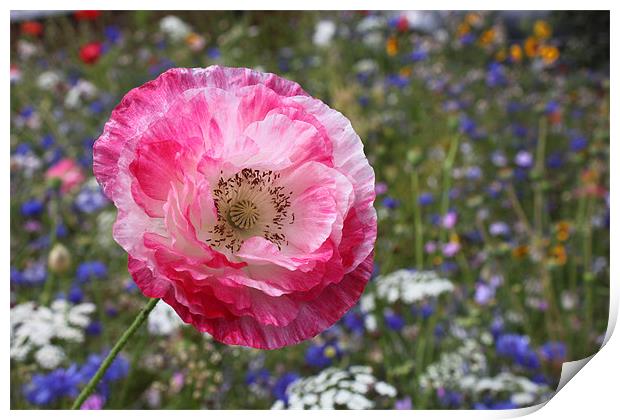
(28, 163)
(410, 286)
(48, 80)
(324, 32)
(34, 327)
(49, 357)
(82, 90)
(163, 320)
(385, 389)
(354, 388)
(175, 28)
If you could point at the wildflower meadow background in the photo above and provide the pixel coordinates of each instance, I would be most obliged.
(489, 137)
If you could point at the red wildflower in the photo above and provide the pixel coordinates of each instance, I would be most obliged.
(90, 52)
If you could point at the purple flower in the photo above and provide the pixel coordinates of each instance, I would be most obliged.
(449, 220)
(499, 229)
(524, 159)
(450, 249)
(94, 402)
(430, 247)
(381, 188)
(404, 404)
(484, 293)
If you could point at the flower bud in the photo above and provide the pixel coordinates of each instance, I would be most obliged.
(59, 259)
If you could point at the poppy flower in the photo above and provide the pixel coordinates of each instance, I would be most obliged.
(90, 53)
(32, 28)
(244, 203)
(87, 14)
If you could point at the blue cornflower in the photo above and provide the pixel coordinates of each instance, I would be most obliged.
(54, 156)
(427, 310)
(425, 199)
(467, 126)
(26, 112)
(512, 345)
(96, 107)
(578, 143)
(504, 405)
(496, 75)
(390, 203)
(517, 347)
(473, 173)
(90, 270)
(214, 53)
(94, 328)
(419, 54)
(32, 208)
(75, 294)
(363, 100)
(34, 274)
(552, 107)
(257, 376)
(393, 321)
(112, 33)
(497, 327)
(117, 370)
(353, 320)
(555, 160)
(47, 389)
(16, 276)
(90, 199)
(322, 355)
(23, 149)
(450, 398)
(279, 388)
(553, 351)
(529, 359)
(61, 230)
(467, 39)
(519, 130)
(513, 107)
(397, 80)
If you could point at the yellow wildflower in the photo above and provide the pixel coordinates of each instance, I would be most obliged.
(488, 37)
(549, 54)
(391, 46)
(531, 47)
(516, 53)
(463, 29)
(500, 55)
(542, 29)
(559, 254)
(406, 71)
(563, 231)
(520, 251)
(473, 18)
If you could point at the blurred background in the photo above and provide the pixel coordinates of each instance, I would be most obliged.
(489, 136)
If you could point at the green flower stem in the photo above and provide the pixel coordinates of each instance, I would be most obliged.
(539, 169)
(90, 387)
(48, 287)
(446, 178)
(417, 215)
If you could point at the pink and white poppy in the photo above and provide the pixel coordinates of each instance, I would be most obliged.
(243, 202)
(69, 173)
